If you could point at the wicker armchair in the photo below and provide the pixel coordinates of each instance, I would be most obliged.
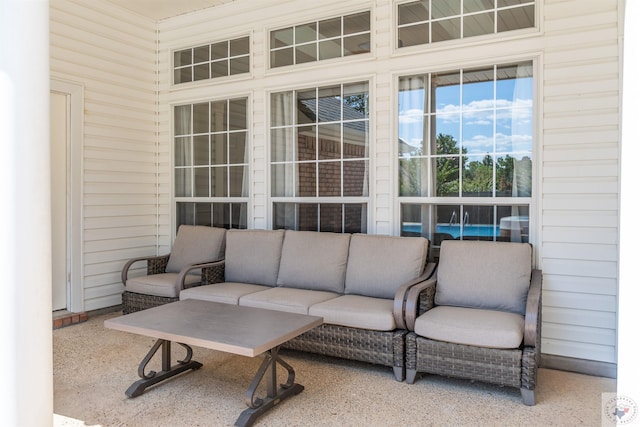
(478, 317)
(189, 264)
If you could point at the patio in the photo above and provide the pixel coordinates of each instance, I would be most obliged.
(93, 366)
(111, 62)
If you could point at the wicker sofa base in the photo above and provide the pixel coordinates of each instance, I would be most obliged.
(513, 368)
(496, 366)
(132, 301)
(378, 347)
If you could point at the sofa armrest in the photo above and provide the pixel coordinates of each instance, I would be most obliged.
(533, 310)
(155, 265)
(217, 264)
(400, 299)
(420, 298)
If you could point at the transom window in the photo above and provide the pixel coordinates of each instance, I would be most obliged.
(431, 21)
(210, 61)
(319, 40)
(465, 153)
(320, 158)
(211, 163)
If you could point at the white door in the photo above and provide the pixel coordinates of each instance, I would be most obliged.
(59, 142)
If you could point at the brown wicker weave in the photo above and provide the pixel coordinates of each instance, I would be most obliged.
(132, 301)
(506, 367)
(386, 348)
(378, 347)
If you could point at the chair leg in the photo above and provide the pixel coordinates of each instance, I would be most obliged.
(528, 396)
(398, 372)
(411, 375)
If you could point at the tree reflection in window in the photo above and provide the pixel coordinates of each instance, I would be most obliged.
(466, 135)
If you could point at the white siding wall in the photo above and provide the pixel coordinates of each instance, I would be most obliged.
(577, 57)
(112, 54)
(127, 202)
(580, 178)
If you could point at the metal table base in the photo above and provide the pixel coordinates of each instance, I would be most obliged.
(256, 405)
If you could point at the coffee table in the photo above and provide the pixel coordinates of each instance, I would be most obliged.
(229, 328)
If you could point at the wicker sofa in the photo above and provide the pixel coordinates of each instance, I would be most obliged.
(478, 316)
(357, 283)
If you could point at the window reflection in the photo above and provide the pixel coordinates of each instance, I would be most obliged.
(211, 161)
(439, 222)
(417, 24)
(328, 217)
(224, 215)
(210, 61)
(326, 39)
(328, 161)
(471, 146)
(479, 133)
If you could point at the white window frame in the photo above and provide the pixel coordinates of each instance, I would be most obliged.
(341, 37)
(211, 80)
(480, 40)
(535, 213)
(342, 200)
(247, 200)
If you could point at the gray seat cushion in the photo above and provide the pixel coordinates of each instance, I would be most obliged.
(357, 312)
(160, 285)
(195, 244)
(471, 326)
(379, 265)
(489, 275)
(312, 260)
(286, 299)
(227, 292)
(253, 256)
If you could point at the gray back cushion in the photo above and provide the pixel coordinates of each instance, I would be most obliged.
(488, 275)
(312, 260)
(253, 256)
(379, 265)
(195, 244)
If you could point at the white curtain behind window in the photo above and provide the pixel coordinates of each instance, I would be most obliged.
(420, 143)
(182, 126)
(518, 127)
(413, 132)
(245, 181)
(282, 135)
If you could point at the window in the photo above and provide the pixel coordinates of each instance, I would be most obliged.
(432, 21)
(210, 61)
(211, 163)
(319, 40)
(465, 153)
(320, 158)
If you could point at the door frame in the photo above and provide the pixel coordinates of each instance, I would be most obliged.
(75, 106)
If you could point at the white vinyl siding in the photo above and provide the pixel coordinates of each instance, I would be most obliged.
(575, 208)
(112, 54)
(576, 55)
(580, 179)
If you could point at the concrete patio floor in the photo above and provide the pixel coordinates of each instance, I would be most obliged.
(93, 366)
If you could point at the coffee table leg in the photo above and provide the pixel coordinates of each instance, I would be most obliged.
(258, 406)
(168, 371)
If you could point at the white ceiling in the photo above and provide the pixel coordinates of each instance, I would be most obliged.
(161, 9)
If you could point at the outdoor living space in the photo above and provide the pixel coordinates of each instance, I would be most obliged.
(506, 122)
(93, 366)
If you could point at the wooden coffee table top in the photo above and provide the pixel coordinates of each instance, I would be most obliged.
(230, 328)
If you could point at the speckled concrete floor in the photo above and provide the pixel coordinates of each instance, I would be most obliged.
(93, 366)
